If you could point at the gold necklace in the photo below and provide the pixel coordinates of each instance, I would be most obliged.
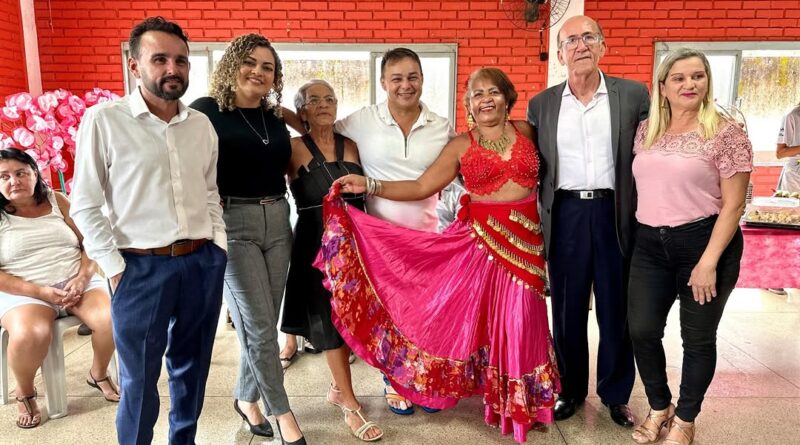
(498, 146)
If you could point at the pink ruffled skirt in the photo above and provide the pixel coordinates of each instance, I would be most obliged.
(443, 316)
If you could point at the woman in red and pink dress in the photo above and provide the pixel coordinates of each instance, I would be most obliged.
(461, 313)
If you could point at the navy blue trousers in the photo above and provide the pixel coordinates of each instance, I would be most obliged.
(584, 255)
(165, 304)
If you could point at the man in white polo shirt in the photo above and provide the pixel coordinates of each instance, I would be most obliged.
(399, 139)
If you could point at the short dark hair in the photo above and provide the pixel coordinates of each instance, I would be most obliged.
(39, 190)
(397, 54)
(157, 23)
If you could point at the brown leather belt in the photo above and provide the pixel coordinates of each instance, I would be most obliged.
(178, 248)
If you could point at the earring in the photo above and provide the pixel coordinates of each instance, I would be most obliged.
(470, 121)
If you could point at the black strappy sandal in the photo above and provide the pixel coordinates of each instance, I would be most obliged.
(36, 419)
(95, 383)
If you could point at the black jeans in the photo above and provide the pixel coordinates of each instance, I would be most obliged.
(662, 263)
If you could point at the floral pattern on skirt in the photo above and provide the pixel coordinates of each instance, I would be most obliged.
(439, 317)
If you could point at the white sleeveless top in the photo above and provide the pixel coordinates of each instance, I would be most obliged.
(43, 250)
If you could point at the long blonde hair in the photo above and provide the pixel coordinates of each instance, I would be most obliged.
(660, 110)
(223, 80)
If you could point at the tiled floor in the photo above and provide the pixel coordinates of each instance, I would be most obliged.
(754, 399)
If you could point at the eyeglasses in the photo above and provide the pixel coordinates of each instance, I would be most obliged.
(589, 39)
(315, 101)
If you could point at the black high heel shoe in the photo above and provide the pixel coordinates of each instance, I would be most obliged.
(300, 441)
(262, 429)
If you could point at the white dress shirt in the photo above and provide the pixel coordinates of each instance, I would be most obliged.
(155, 181)
(585, 155)
(387, 154)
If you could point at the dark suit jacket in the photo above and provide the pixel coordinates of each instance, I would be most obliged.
(629, 103)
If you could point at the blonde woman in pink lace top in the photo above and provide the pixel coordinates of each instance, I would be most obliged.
(691, 168)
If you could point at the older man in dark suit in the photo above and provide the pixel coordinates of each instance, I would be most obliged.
(586, 127)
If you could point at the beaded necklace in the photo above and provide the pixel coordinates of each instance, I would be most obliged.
(498, 146)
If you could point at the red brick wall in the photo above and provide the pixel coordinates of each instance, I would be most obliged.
(765, 180)
(80, 40)
(631, 27)
(12, 58)
(82, 49)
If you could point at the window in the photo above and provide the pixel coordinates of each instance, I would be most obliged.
(345, 66)
(759, 79)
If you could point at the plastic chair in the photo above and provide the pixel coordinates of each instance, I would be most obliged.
(55, 379)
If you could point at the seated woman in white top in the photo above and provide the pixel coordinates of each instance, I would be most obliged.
(44, 274)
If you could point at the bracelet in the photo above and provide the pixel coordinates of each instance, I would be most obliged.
(374, 186)
(370, 185)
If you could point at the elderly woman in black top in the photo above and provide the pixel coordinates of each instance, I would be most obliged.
(254, 152)
(318, 159)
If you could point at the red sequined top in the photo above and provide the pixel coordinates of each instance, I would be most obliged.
(485, 171)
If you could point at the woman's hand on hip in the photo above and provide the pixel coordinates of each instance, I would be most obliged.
(353, 183)
(703, 282)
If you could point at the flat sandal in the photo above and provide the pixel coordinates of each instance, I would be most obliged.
(36, 419)
(333, 389)
(361, 432)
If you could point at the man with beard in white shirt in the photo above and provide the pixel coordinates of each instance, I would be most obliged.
(152, 163)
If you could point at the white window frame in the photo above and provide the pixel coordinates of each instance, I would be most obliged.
(376, 51)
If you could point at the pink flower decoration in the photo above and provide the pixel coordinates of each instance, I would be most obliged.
(33, 153)
(42, 124)
(71, 133)
(6, 142)
(57, 142)
(90, 98)
(43, 166)
(98, 95)
(47, 101)
(10, 113)
(58, 163)
(69, 121)
(64, 110)
(22, 101)
(24, 137)
(76, 104)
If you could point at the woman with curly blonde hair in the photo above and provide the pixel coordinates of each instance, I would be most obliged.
(254, 152)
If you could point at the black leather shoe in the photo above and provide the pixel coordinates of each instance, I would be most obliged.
(565, 408)
(621, 415)
(300, 441)
(262, 429)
